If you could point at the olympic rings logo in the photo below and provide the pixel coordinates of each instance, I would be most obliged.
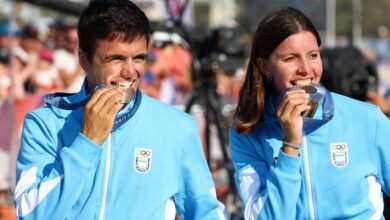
(339, 147)
(143, 153)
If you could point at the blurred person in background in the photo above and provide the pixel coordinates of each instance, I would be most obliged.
(381, 46)
(21, 72)
(22, 48)
(10, 36)
(149, 84)
(32, 46)
(228, 85)
(46, 77)
(163, 79)
(171, 70)
(6, 122)
(179, 60)
(93, 154)
(348, 71)
(379, 52)
(66, 61)
(296, 159)
(54, 34)
(6, 208)
(5, 77)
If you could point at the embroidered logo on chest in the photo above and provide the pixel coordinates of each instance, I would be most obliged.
(339, 154)
(142, 160)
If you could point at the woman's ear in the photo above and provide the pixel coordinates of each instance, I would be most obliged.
(84, 61)
(263, 67)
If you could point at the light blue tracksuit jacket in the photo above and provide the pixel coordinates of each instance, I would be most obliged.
(344, 163)
(149, 168)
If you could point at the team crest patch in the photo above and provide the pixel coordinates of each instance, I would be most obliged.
(339, 154)
(142, 159)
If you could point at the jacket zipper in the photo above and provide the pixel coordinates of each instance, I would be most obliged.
(106, 179)
(308, 180)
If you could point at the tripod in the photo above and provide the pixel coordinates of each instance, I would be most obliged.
(206, 97)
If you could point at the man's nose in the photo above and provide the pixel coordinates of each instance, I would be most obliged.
(128, 69)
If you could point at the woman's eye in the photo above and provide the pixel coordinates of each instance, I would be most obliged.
(314, 55)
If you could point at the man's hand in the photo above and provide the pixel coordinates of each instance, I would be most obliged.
(100, 112)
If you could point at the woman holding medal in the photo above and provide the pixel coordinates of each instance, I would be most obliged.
(290, 164)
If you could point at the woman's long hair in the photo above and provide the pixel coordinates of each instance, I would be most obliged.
(271, 31)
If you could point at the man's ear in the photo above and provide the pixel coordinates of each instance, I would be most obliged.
(84, 61)
(263, 67)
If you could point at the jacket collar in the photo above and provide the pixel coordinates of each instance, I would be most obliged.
(74, 101)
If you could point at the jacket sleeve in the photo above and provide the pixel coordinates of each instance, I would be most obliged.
(50, 177)
(382, 145)
(197, 197)
(269, 190)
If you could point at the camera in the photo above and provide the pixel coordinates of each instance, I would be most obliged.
(348, 72)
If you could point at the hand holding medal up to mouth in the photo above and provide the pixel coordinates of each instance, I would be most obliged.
(289, 113)
(126, 88)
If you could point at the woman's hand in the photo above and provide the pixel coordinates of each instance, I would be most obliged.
(289, 114)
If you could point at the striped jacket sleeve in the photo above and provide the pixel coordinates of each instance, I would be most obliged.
(50, 177)
(382, 147)
(196, 198)
(268, 191)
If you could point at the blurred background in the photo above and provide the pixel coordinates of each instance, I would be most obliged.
(197, 62)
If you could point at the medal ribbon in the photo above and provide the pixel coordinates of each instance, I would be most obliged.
(58, 100)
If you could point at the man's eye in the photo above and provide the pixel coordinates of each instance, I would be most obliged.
(289, 59)
(111, 58)
(140, 59)
(116, 58)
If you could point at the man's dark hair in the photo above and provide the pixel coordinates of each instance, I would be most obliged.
(110, 19)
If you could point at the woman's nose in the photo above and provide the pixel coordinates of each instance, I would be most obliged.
(304, 66)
